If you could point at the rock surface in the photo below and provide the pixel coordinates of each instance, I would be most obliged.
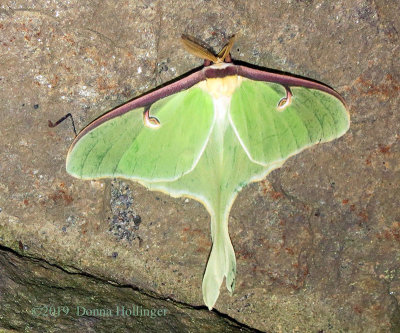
(317, 242)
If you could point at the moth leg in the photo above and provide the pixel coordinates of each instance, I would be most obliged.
(228, 58)
(59, 121)
(285, 101)
(149, 121)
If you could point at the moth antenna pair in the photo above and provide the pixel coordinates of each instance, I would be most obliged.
(200, 51)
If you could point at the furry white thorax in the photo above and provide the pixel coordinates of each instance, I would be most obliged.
(224, 86)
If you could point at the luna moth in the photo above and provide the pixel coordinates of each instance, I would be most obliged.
(208, 135)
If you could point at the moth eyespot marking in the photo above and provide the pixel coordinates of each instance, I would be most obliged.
(285, 101)
(149, 121)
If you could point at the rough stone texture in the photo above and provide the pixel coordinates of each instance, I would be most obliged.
(317, 242)
(53, 300)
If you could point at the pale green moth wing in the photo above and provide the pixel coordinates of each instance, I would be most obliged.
(269, 132)
(124, 147)
(217, 130)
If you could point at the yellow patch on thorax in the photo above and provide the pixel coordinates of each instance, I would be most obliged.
(218, 87)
